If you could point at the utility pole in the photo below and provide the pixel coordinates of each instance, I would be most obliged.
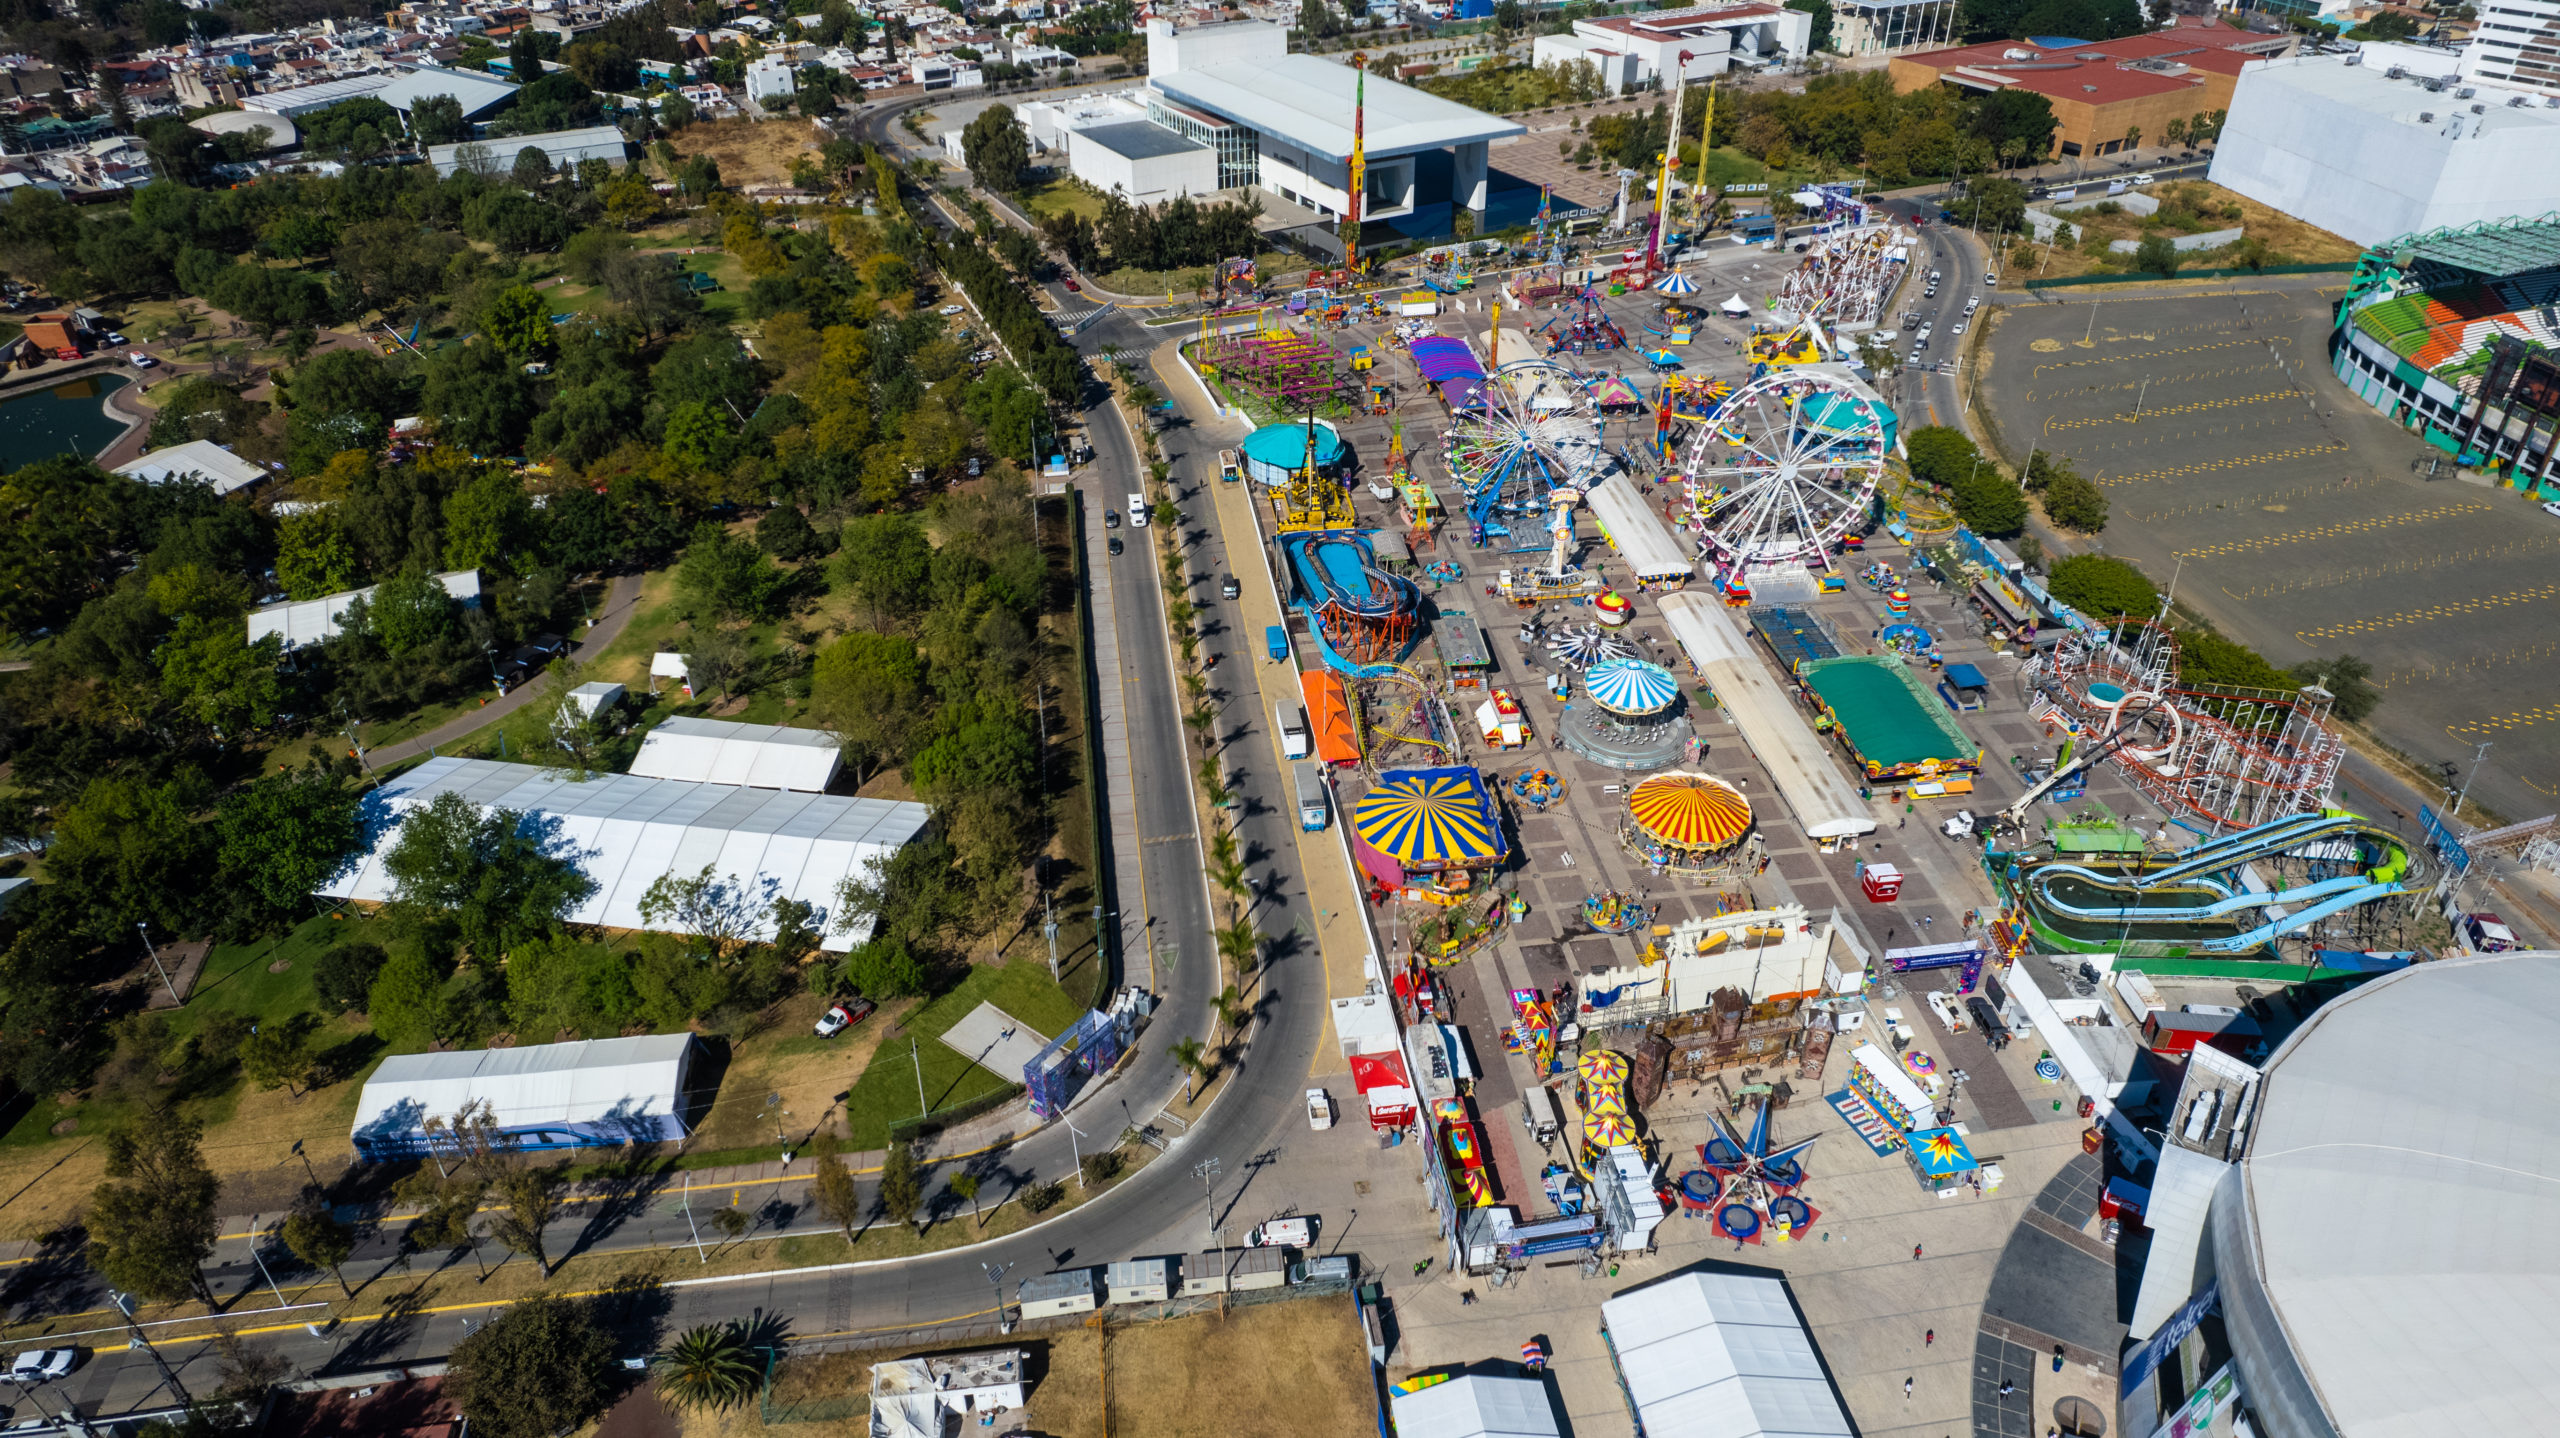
(2140, 395)
(124, 1305)
(1074, 1148)
(255, 1257)
(995, 1279)
(1206, 1170)
(2477, 755)
(915, 1051)
(144, 929)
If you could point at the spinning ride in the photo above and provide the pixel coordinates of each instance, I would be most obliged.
(1632, 720)
(1535, 431)
(1755, 1188)
(1788, 467)
(1588, 645)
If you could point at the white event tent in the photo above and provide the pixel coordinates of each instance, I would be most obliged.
(600, 1093)
(626, 832)
(723, 751)
(1719, 1355)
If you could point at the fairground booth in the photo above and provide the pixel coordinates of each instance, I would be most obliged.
(1892, 727)
(1427, 834)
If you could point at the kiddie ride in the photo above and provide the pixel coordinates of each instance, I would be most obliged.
(1613, 912)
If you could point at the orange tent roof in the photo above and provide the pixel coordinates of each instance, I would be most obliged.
(1329, 718)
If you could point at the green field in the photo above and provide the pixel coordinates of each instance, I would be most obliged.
(886, 1092)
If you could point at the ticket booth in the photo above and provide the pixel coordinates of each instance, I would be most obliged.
(1881, 883)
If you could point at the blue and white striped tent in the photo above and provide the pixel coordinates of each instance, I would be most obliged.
(1630, 686)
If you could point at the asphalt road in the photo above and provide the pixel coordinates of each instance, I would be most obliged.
(1929, 396)
(1158, 1211)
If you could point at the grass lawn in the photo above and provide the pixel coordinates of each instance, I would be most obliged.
(1060, 198)
(886, 1092)
(247, 1130)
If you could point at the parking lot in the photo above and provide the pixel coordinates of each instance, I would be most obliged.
(2312, 524)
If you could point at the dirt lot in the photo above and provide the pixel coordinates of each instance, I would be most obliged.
(749, 153)
(1295, 1368)
(2289, 240)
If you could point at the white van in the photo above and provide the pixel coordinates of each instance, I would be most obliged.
(1284, 1233)
(1137, 511)
(1292, 721)
(2146, 179)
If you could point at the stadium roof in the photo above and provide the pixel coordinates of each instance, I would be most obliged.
(1307, 102)
(2494, 248)
(626, 832)
(1720, 1353)
(1139, 140)
(723, 751)
(636, 1084)
(2406, 1214)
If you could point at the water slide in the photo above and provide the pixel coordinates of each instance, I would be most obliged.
(2184, 901)
(1337, 570)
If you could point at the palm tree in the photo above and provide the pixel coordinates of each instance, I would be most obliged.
(1194, 1063)
(708, 1367)
(1232, 1010)
(2175, 132)
(1237, 943)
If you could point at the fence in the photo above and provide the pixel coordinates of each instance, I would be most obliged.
(2065, 281)
(908, 1130)
(839, 1408)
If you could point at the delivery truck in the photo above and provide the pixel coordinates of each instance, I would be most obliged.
(1313, 813)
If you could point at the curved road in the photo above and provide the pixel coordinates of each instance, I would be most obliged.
(1156, 1212)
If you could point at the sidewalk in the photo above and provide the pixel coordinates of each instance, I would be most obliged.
(1128, 915)
(1339, 935)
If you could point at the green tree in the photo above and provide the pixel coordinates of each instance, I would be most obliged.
(313, 555)
(437, 120)
(489, 523)
(485, 873)
(708, 1368)
(832, 1188)
(725, 578)
(211, 671)
(2000, 205)
(883, 968)
(886, 560)
(1189, 1056)
(343, 975)
(2075, 503)
(409, 612)
(2102, 587)
(1941, 455)
(901, 1188)
(285, 835)
(480, 399)
(2156, 255)
(128, 850)
(406, 1000)
(151, 1224)
(529, 1198)
(717, 658)
(997, 149)
(518, 319)
(318, 1239)
(536, 1369)
(964, 1187)
(1990, 504)
(869, 690)
(277, 1054)
(2348, 680)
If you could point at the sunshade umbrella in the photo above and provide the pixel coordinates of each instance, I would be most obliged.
(1631, 686)
(1689, 811)
(1662, 359)
(1428, 817)
(1677, 283)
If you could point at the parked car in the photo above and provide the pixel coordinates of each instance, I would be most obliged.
(1111, 519)
(1319, 1110)
(2551, 507)
(1072, 285)
(1283, 1233)
(954, 309)
(845, 1015)
(2488, 934)
(43, 1365)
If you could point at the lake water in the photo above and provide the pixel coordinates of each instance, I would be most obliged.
(69, 418)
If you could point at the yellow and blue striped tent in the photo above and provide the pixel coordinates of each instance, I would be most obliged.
(1431, 819)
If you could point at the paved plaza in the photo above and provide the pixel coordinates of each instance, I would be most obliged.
(2296, 518)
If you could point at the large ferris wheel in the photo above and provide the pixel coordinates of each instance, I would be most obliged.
(1531, 431)
(1786, 467)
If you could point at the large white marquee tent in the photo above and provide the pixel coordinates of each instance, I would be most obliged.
(626, 832)
(598, 1093)
(723, 751)
(1719, 1355)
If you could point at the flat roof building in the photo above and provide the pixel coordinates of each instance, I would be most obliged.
(198, 460)
(563, 148)
(600, 1093)
(2103, 92)
(626, 832)
(296, 101)
(1144, 162)
(723, 751)
(480, 95)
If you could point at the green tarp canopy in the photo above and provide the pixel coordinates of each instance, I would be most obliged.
(1889, 719)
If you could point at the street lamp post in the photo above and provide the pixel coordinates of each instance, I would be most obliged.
(1074, 1149)
(1206, 1170)
(2477, 756)
(124, 1305)
(144, 929)
(995, 1280)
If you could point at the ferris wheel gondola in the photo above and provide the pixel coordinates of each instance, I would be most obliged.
(1531, 430)
(1786, 467)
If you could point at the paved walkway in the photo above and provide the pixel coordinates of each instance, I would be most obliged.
(1111, 693)
(621, 599)
(1322, 858)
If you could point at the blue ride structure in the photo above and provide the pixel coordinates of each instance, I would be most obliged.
(1362, 619)
(2213, 899)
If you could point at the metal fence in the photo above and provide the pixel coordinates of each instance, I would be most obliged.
(838, 1408)
(2145, 276)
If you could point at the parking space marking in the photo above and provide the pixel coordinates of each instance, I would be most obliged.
(2500, 724)
(2334, 531)
(2272, 456)
(2243, 501)
(2162, 412)
(2158, 382)
(2454, 610)
(2331, 578)
(2162, 354)
(2437, 673)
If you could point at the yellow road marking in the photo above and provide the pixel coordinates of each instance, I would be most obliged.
(2210, 465)
(2515, 719)
(2162, 412)
(2433, 612)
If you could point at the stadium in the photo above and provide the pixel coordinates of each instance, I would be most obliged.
(2359, 1237)
(2454, 334)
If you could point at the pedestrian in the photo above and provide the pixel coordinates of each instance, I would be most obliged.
(2007, 1387)
(1904, 823)
(1419, 1267)
(1906, 1390)
(1915, 1251)
(1467, 1298)
(1929, 1339)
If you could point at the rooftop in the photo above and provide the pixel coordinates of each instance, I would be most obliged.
(565, 148)
(1140, 140)
(1672, 24)
(478, 93)
(2406, 1325)
(196, 459)
(1308, 102)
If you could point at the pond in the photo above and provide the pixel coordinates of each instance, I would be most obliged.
(68, 418)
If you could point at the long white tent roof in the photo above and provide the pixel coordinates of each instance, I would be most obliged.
(627, 832)
(1306, 101)
(1477, 1405)
(640, 1080)
(309, 621)
(1819, 792)
(1641, 537)
(1720, 1355)
(723, 751)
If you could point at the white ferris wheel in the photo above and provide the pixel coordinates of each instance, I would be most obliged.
(1787, 466)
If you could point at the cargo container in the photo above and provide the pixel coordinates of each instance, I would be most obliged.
(1053, 1295)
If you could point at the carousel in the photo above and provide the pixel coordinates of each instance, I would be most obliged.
(1582, 647)
(1424, 834)
(1690, 824)
(1631, 717)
